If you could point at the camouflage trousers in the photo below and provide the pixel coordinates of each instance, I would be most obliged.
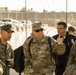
(44, 71)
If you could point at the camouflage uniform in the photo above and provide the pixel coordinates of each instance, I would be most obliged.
(40, 62)
(6, 52)
(71, 65)
(72, 56)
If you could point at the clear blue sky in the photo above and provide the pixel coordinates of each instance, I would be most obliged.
(39, 5)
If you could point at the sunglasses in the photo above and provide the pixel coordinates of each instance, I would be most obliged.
(39, 30)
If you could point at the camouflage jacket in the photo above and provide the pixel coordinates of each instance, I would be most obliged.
(71, 65)
(40, 52)
(72, 55)
(6, 52)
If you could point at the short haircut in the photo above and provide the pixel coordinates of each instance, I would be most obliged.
(63, 24)
(71, 28)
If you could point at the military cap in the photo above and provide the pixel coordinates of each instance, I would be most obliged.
(37, 25)
(7, 27)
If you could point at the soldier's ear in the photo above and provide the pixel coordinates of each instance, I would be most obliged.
(0, 32)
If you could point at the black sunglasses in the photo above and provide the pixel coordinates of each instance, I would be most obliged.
(39, 30)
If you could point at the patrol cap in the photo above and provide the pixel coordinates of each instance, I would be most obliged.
(37, 25)
(7, 27)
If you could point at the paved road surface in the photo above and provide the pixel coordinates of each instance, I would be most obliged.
(12, 72)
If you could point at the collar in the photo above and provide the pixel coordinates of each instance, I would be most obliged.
(2, 43)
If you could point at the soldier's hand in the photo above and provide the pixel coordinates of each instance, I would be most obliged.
(60, 40)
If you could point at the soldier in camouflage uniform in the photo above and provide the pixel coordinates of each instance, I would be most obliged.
(38, 60)
(71, 65)
(6, 52)
(71, 30)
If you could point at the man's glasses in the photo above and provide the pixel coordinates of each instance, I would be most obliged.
(39, 30)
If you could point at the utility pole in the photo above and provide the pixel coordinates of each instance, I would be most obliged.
(66, 11)
(26, 18)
